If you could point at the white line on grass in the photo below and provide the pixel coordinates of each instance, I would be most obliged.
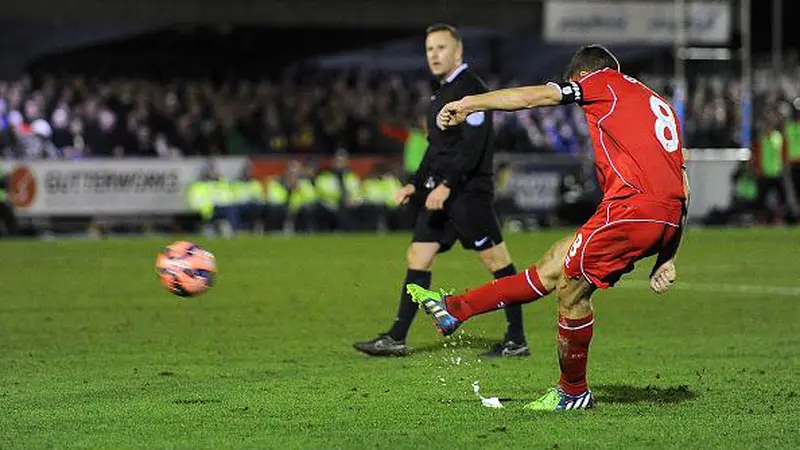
(745, 289)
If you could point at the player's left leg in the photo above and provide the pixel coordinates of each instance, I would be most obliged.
(450, 311)
(575, 329)
(497, 261)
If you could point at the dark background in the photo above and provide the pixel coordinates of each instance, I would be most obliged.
(153, 36)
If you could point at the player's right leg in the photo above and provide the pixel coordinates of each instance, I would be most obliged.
(575, 329)
(535, 282)
(604, 249)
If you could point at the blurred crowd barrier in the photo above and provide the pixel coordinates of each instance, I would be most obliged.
(237, 194)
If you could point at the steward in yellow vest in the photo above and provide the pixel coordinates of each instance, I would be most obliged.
(212, 198)
(249, 198)
(340, 196)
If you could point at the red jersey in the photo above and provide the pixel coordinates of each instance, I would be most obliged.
(635, 134)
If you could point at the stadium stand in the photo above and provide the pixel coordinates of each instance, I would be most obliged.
(314, 113)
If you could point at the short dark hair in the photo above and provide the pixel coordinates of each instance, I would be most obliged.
(444, 27)
(590, 58)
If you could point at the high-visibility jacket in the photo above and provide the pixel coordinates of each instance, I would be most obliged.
(3, 188)
(201, 198)
(247, 191)
(276, 193)
(373, 191)
(302, 195)
(746, 186)
(223, 194)
(414, 150)
(330, 190)
(770, 154)
(279, 194)
(793, 141)
(391, 184)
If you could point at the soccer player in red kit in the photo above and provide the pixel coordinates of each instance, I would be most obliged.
(640, 166)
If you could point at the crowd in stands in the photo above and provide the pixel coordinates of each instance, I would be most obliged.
(74, 117)
(714, 103)
(316, 112)
(320, 112)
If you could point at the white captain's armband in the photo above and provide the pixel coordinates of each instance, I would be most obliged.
(476, 119)
(570, 91)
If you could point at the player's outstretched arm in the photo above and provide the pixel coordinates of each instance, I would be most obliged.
(511, 99)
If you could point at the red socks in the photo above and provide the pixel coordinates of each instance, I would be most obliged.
(523, 287)
(574, 336)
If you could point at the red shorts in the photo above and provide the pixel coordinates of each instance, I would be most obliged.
(618, 235)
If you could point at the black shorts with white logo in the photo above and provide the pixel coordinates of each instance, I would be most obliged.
(468, 217)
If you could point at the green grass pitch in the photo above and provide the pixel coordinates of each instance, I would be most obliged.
(95, 354)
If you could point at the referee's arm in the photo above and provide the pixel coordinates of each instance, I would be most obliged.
(470, 148)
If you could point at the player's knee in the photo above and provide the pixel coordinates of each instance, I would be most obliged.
(563, 290)
(573, 298)
(420, 258)
(550, 266)
(495, 258)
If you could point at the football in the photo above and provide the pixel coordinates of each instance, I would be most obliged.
(186, 269)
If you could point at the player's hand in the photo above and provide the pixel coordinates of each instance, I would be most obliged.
(437, 197)
(662, 278)
(403, 194)
(452, 114)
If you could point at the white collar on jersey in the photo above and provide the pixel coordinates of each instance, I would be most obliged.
(455, 73)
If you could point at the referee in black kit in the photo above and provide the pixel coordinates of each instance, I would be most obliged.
(452, 197)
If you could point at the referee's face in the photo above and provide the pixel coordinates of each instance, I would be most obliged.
(443, 52)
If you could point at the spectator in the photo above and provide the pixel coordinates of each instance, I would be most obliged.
(249, 199)
(339, 192)
(792, 136)
(291, 200)
(273, 138)
(211, 197)
(770, 158)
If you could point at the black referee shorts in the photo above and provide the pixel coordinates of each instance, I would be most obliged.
(469, 217)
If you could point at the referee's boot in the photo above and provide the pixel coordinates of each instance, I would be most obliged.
(383, 345)
(508, 348)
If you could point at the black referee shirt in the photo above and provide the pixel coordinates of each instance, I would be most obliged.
(460, 157)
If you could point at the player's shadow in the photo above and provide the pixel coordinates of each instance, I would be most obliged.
(625, 393)
(471, 343)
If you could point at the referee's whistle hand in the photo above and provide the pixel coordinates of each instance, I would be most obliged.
(437, 198)
(403, 194)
